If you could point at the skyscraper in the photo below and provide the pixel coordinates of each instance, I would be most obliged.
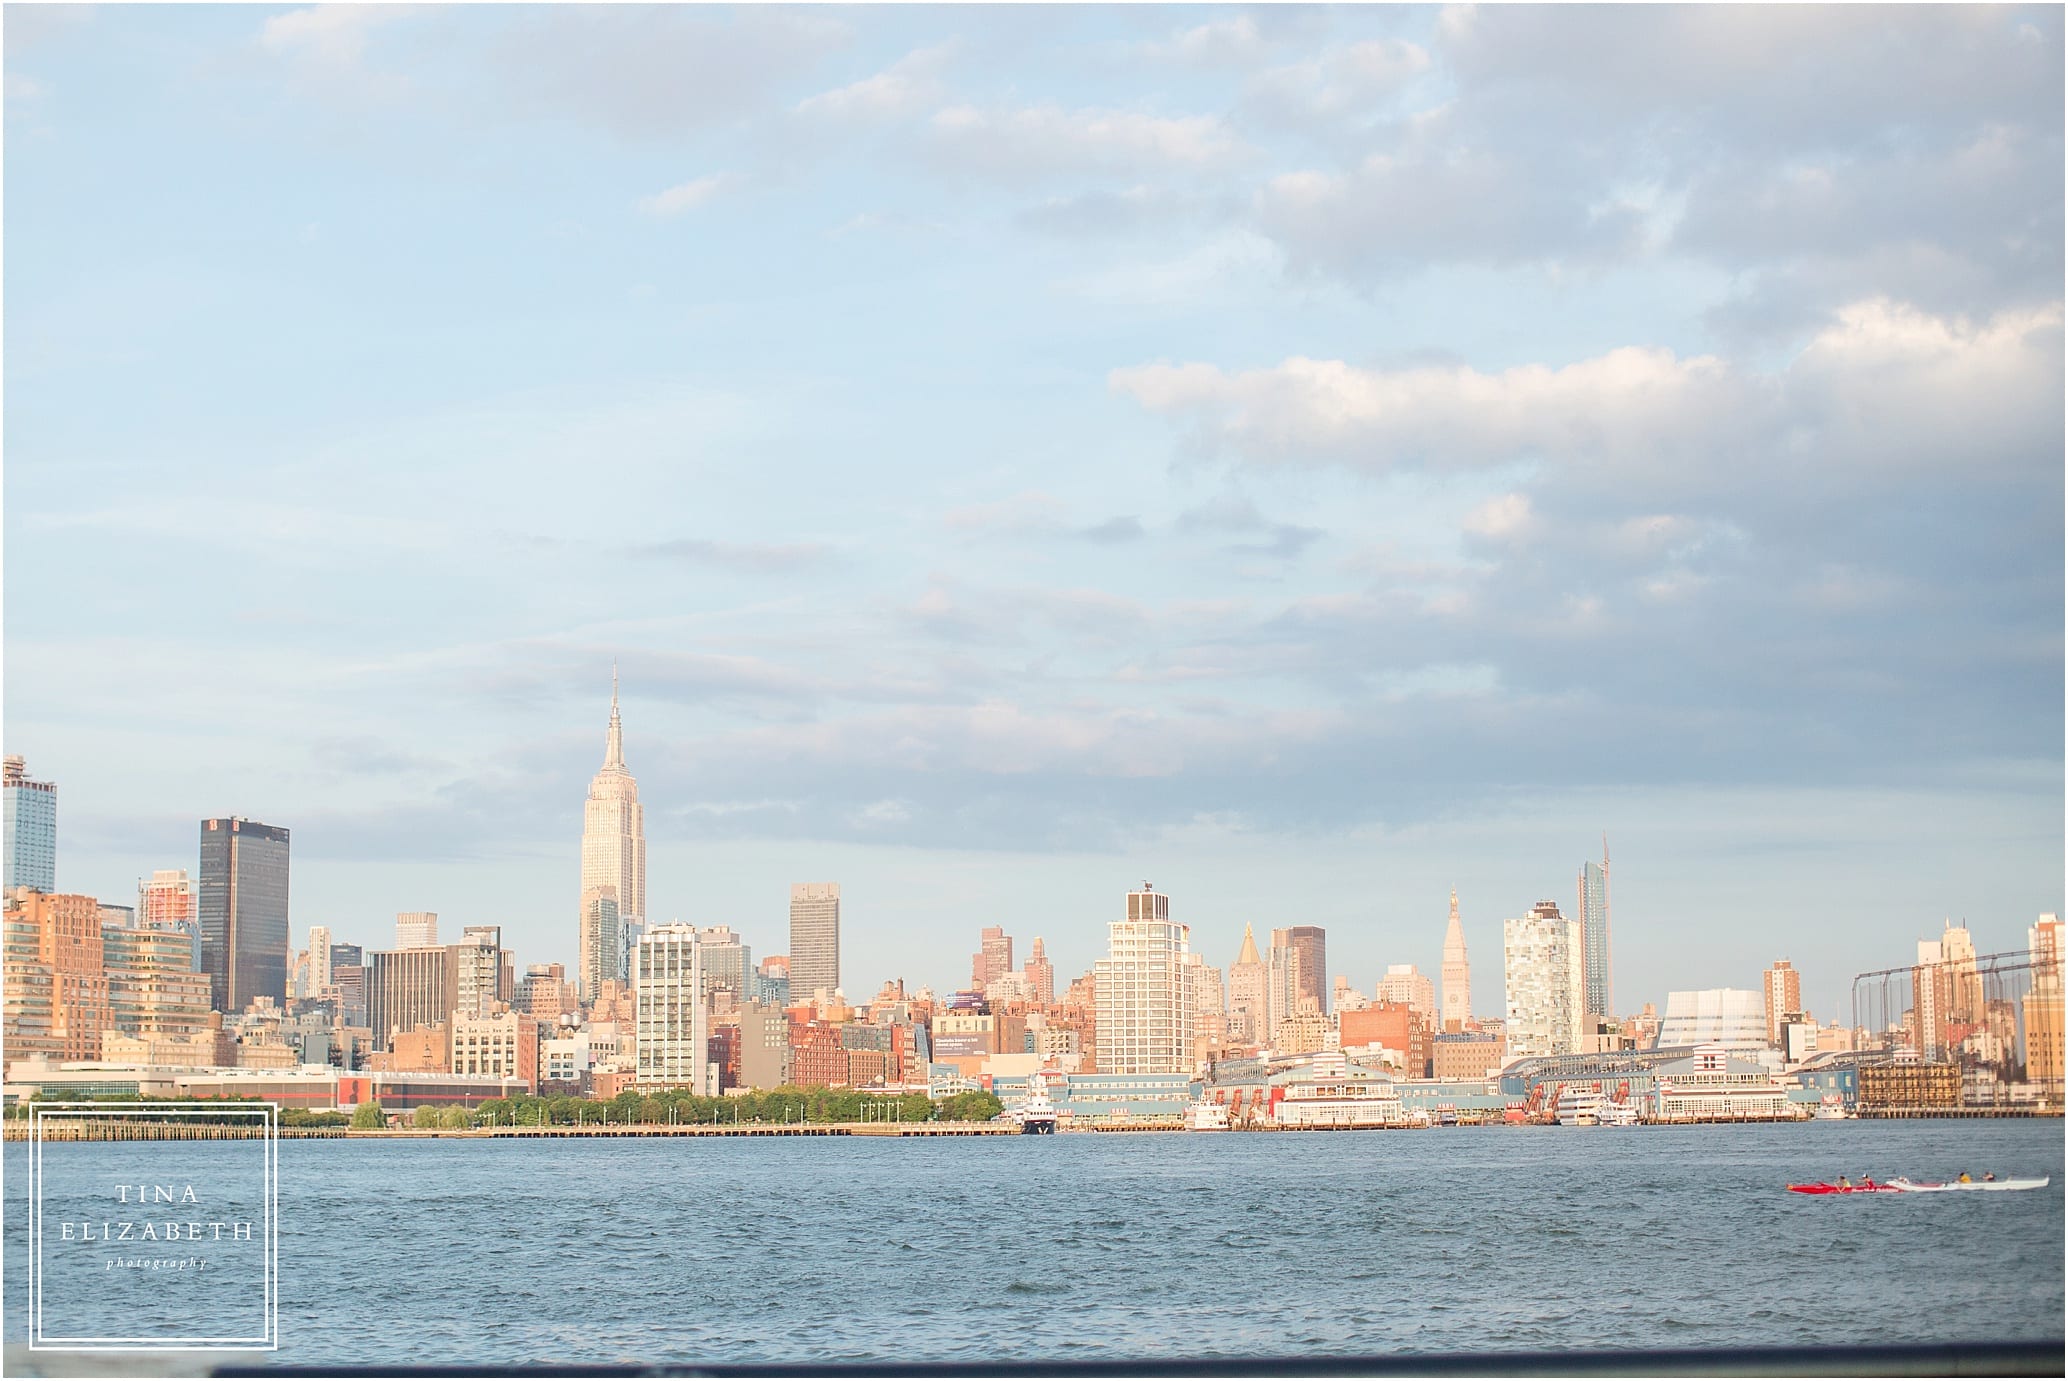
(2045, 1047)
(1249, 1002)
(1543, 976)
(613, 838)
(416, 929)
(1783, 985)
(1144, 994)
(814, 939)
(1299, 956)
(1041, 975)
(993, 958)
(31, 819)
(1594, 918)
(598, 941)
(319, 960)
(1457, 973)
(243, 909)
(167, 901)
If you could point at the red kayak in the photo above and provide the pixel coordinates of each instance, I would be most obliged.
(1863, 1187)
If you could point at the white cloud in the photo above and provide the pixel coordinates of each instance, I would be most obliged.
(905, 86)
(332, 34)
(1341, 81)
(686, 197)
(1036, 140)
(1882, 385)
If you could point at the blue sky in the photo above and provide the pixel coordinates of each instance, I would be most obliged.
(1308, 458)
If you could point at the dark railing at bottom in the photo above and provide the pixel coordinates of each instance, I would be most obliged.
(1928, 1359)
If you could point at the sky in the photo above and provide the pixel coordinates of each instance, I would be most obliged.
(1309, 459)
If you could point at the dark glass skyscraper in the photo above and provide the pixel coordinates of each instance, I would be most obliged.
(243, 912)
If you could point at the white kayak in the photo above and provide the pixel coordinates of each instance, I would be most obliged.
(1915, 1187)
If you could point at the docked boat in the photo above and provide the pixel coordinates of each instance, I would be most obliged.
(1578, 1107)
(1206, 1116)
(1928, 1187)
(1831, 1108)
(1036, 1114)
(1614, 1114)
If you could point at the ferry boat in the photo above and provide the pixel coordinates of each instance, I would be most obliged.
(1205, 1116)
(1578, 1107)
(1831, 1108)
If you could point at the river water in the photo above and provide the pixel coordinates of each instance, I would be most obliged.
(1137, 1246)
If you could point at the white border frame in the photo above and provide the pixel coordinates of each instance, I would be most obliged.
(269, 1341)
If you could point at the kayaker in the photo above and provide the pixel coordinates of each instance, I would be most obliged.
(1844, 1183)
(1989, 1178)
(1964, 1178)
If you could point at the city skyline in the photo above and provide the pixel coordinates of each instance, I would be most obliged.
(1015, 452)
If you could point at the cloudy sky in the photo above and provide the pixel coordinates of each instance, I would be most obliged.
(1306, 458)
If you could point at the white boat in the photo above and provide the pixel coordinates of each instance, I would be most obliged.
(1035, 1115)
(1926, 1187)
(1831, 1108)
(1578, 1107)
(1205, 1116)
(1612, 1114)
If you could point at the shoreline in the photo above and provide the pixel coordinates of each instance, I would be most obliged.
(164, 1131)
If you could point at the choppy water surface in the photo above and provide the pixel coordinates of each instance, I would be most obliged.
(1076, 1246)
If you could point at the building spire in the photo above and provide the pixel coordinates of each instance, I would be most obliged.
(614, 745)
(1249, 953)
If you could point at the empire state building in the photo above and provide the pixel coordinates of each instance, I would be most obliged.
(613, 858)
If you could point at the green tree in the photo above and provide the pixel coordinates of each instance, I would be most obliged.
(458, 1119)
(369, 1117)
(973, 1106)
(426, 1116)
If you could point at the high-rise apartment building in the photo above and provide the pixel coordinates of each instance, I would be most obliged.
(154, 990)
(483, 972)
(1594, 934)
(1783, 989)
(243, 911)
(670, 1047)
(1544, 976)
(30, 815)
(416, 929)
(1041, 975)
(613, 839)
(1303, 972)
(56, 1002)
(814, 939)
(600, 941)
(167, 900)
(1457, 973)
(1146, 1021)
